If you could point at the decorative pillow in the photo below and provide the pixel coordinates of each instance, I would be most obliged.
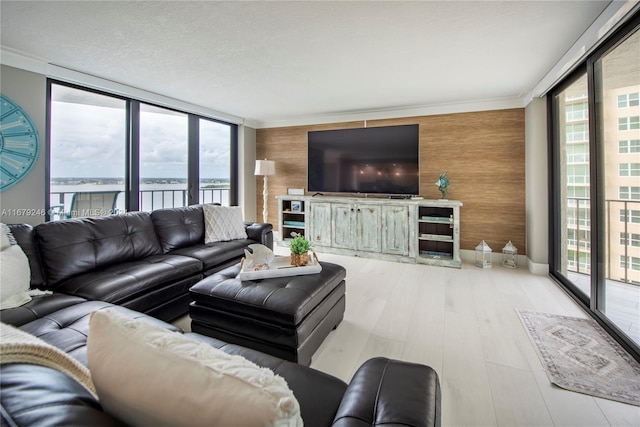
(15, 274)
(223, 223)
(146, 375)
(6, 238)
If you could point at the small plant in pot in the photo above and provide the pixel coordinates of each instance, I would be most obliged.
(300, 248)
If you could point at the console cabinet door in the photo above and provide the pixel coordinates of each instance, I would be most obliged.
(395, 230)
(368, 226)
(320, 227)
(342, 216)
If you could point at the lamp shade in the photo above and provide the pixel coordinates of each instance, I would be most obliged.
(265, 167)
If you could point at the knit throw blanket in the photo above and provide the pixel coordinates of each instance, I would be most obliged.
(17, 346)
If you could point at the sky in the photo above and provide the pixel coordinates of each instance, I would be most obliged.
(89, 141)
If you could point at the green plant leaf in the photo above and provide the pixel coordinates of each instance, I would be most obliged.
(299, 245)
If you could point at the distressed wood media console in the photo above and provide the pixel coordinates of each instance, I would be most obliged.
(405, 230)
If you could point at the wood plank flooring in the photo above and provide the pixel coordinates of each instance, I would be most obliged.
(463, 323)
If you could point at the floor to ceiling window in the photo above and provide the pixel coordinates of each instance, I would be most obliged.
(87, 153)
(163, 158)
(110, 154)
(215, 162)
(595, 163)
(573, 199)
(617, 87)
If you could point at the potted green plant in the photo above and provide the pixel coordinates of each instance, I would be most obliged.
(300, 248)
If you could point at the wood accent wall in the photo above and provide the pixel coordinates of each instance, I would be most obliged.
(482, 152)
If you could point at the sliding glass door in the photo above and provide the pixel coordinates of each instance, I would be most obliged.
(573, 197)
(617, 91)
(595, 176)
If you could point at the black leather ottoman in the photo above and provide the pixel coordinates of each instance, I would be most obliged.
(287, 317)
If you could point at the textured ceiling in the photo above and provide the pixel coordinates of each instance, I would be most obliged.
(278, 61)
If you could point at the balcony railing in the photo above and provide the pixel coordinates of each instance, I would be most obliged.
(149, 200)
(619, 218)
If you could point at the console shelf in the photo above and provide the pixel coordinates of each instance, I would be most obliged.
(291, 217)
(414, 231)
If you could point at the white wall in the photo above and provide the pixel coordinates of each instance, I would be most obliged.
(24, 202)
(246, 168)
(536, 176)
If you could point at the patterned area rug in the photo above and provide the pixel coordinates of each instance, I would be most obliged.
(579, 355)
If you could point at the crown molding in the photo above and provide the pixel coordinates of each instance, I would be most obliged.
(22, 61)
(41, 66)
(395, 113)
(252, 123)
(14, 59)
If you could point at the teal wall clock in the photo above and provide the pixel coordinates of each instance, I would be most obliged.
(19, 145)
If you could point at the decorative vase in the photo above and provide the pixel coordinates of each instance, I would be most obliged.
(299, 260)
(443, 184)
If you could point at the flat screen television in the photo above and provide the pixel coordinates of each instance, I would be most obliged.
(373, 160)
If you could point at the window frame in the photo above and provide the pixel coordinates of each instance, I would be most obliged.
(132, 175)
(594, 302)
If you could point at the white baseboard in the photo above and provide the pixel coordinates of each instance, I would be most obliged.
(469, 256)
(537, 268)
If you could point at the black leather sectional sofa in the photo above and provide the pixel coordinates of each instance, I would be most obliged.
(139, 260)
(142, 265)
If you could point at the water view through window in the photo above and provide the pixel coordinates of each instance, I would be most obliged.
(163, 158)
(89, 156)
(215, 162)
(87, 152)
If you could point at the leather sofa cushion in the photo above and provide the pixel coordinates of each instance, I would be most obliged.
(25, 236)
(72, 247)
(179, 227)
(40, 396)
(67, 328)
(380, 395)
(122, 282)
(38, 307)
(260, 232)
(213, 255)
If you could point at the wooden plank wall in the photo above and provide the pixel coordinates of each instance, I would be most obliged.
(482, 152)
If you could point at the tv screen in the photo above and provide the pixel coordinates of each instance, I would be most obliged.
(375, 160)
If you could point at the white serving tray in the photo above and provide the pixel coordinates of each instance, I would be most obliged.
(281, 266)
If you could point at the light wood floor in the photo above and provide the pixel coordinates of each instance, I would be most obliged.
(463, 323)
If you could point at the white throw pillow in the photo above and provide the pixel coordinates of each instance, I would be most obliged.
(223, 223)
(6, 238)
(146, 375)
(15, 274)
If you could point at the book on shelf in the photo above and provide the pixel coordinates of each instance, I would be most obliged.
(443, 219)
(439, 237)
(436, 255)
(294, 223)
